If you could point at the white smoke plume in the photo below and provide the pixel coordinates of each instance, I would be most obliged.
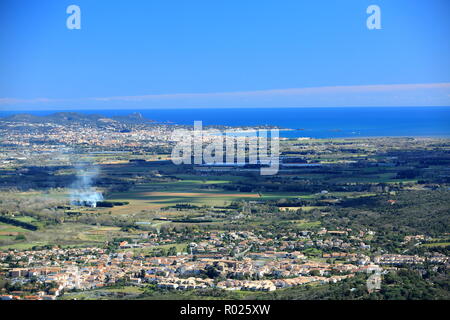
(82, 192)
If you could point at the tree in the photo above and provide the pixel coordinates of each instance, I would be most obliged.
(172, 251)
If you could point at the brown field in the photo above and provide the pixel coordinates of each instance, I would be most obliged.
(2, 233)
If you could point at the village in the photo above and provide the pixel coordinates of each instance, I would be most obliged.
(49, 273)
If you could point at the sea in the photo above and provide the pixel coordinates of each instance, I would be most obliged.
(336, 122)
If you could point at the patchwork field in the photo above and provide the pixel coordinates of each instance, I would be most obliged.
(65, 234)
(162, 194)
(193, 191)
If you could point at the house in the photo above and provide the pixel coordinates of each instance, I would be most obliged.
(136, 280)
(123, 244)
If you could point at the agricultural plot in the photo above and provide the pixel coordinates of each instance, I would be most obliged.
(162, 194)
(128, 292)
(64, 235)
(193, 190)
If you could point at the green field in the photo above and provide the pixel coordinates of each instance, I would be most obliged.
(65, 234)
(191, 189)
(436, 244)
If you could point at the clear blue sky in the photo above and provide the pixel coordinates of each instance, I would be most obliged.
(234, 47)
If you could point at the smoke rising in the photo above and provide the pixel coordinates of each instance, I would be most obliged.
(82, 192)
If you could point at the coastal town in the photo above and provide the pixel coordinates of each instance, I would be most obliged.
(108, 214)
(224, 159)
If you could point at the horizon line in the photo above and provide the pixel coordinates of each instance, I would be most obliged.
(208, 108)
(379, 95)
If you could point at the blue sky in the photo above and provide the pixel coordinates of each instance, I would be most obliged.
(223, 53)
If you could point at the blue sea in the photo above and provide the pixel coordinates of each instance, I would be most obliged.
(308, 122)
